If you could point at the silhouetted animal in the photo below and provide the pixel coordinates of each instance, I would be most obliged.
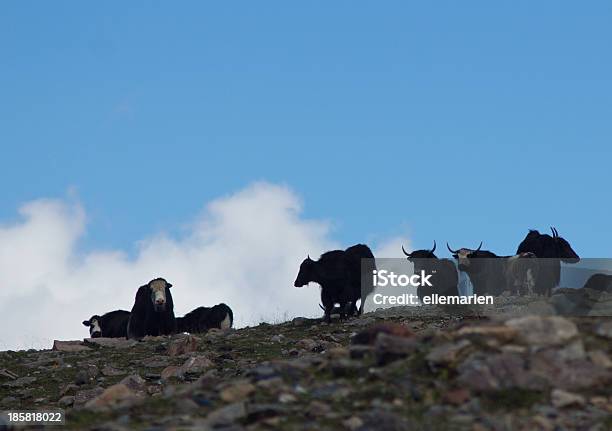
(153, 310)
(600, 282)
(202, 319)
(111, 325)
(485, 269)
(551, 250)
(339, 273)
(444, 276)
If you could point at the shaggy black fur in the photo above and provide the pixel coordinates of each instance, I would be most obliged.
(112, 324)
(148, 318)
(204, 318)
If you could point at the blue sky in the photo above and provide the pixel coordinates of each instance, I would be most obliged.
(458, 121)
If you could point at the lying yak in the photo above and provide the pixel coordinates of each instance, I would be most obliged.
(444, 277)
(339, 273)
(153, 311)
(202, 319)
(551, 250)
(110, 325)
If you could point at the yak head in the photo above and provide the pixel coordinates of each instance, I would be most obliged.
(421, 254)
(563, 249)
(159, 290)
(307, 272)
(463, 255)
(93, 323)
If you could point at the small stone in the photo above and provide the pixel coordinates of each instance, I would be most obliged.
(171, 371)
(317, 409)
(543, 330)
(66, 401)
(447, 353)
(116, 343)
(353, 423)
(277, 338)
(20, 382)
(604, 329)
(83, 397)
(227, 415)
(236, 392)
(109, 371)
(299, 321)
(69, 346)
(369, 335)
(599, 357)
(561, 398)
(307, 344)
(134, 382)
(287, 398)
(185, 344)
(389, 348)
(196, 364)
(457, 396)
(502, 333)
(112, 395)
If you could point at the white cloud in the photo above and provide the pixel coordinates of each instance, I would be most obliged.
(243, 249)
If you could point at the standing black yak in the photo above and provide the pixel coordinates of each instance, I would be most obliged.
(485, 269)
(111, 325)
(444, 277)
(153, 310)
(553, 249)
(202, 319)
(339, 273)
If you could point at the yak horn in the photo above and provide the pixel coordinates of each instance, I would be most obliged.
(451, 250)
(405, 252)
(434, 247)
(479, 247)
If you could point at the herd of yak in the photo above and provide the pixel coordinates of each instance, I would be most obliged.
(153, 314)
(534, 269)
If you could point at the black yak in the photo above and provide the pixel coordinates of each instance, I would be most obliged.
(339, 273)
(110, 325)
(153, 310)
(600, 282)
(552, 250)
(202, 319)
(444, 277)
(485, 269)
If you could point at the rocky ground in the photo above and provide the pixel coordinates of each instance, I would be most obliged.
(391, 370)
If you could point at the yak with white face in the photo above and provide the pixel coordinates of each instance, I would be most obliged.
(110, 325)
(153, 311)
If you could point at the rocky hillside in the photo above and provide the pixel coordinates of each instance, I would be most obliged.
(404, 369)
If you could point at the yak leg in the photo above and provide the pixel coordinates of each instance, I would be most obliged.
(328, 305)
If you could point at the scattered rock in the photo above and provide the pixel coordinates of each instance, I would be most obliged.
(236, 392)
(561, 399)
(369, 335)
(185, 344)
(227, 415)
(604, 329)
(541, 331)
(69, 346)
(83, 397)
(448, 353)
(389, 348)
(20, 382)
(116, 343)
(66, 401)
(109, 371)
(111, 396)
